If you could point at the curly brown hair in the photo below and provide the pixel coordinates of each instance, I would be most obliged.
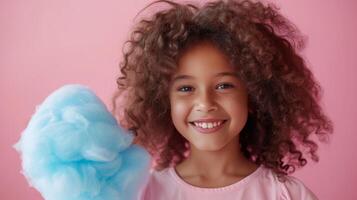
(283, 94)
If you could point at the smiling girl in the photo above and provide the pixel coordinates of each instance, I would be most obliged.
(209, 108)
(221, 98)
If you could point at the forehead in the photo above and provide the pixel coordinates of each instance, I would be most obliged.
(203, 60)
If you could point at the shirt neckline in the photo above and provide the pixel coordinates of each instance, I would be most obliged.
(241, 183)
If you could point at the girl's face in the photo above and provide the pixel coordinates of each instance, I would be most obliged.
(205, 87)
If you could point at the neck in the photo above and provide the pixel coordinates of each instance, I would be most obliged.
(212, 164)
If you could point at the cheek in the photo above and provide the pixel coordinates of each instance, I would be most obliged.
(239, 110)
(179, 111)
(239, 106)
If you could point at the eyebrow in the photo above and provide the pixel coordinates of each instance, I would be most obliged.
(183, 76)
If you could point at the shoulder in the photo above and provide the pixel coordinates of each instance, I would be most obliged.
(293, 188)
(159, 177)
(158, 181)
(287, 188)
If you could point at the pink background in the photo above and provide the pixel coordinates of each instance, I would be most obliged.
(46, 44)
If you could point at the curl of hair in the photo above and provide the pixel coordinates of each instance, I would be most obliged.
(283, 95)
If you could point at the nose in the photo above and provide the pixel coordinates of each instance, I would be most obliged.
(205, 102)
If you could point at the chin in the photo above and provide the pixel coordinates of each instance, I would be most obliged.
(209, 147)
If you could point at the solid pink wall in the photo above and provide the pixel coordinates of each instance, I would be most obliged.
(46, 44)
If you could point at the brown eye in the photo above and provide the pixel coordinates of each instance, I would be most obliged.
(185, 89)
(225, 85)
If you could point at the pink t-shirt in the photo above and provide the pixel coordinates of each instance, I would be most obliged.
(262, 184)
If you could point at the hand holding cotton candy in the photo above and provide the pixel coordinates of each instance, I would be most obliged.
(74, 149)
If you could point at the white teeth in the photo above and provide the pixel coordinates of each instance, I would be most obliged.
(208, 125)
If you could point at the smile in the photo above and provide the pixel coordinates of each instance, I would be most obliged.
(208, 127)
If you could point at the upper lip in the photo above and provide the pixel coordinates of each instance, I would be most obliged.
(208, 120)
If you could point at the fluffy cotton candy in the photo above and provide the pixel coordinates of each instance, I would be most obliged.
(74, 149)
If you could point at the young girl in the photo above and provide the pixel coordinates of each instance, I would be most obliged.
(221, 98)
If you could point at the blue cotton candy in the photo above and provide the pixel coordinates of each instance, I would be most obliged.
(74, 149)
